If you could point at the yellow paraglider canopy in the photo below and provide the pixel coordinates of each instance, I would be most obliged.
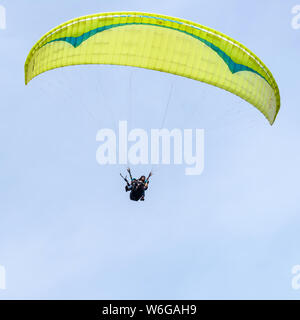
(160, 43)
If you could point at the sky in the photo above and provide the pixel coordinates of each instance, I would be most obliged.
(68, 229)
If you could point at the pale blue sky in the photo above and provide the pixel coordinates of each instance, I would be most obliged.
(67, 229)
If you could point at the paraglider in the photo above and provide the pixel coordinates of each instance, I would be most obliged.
(161, 43)
(137, 187)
